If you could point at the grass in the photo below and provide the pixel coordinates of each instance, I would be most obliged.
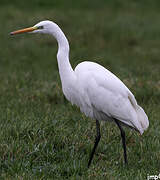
(42, 135)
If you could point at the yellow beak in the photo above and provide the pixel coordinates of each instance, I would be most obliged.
(30, 29)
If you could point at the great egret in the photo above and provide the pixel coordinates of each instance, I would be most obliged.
(99, 93)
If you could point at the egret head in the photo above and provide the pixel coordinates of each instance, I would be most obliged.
(45, 27)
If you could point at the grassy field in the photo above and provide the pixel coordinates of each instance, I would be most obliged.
(42, 135)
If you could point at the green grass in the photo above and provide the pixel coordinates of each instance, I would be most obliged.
(42, 135)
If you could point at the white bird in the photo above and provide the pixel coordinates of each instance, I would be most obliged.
(98, 92)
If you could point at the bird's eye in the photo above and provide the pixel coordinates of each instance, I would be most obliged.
(40, 27)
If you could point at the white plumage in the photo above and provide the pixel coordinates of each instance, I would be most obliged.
(102, 96)
(98, 92)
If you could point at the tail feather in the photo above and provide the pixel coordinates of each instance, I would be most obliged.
(142, 117)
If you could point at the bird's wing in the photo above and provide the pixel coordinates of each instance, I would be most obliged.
(107, 93)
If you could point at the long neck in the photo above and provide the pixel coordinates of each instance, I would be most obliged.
(65, 70)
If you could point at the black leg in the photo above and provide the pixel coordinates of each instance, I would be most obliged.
(123, 140)
(98, 136)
